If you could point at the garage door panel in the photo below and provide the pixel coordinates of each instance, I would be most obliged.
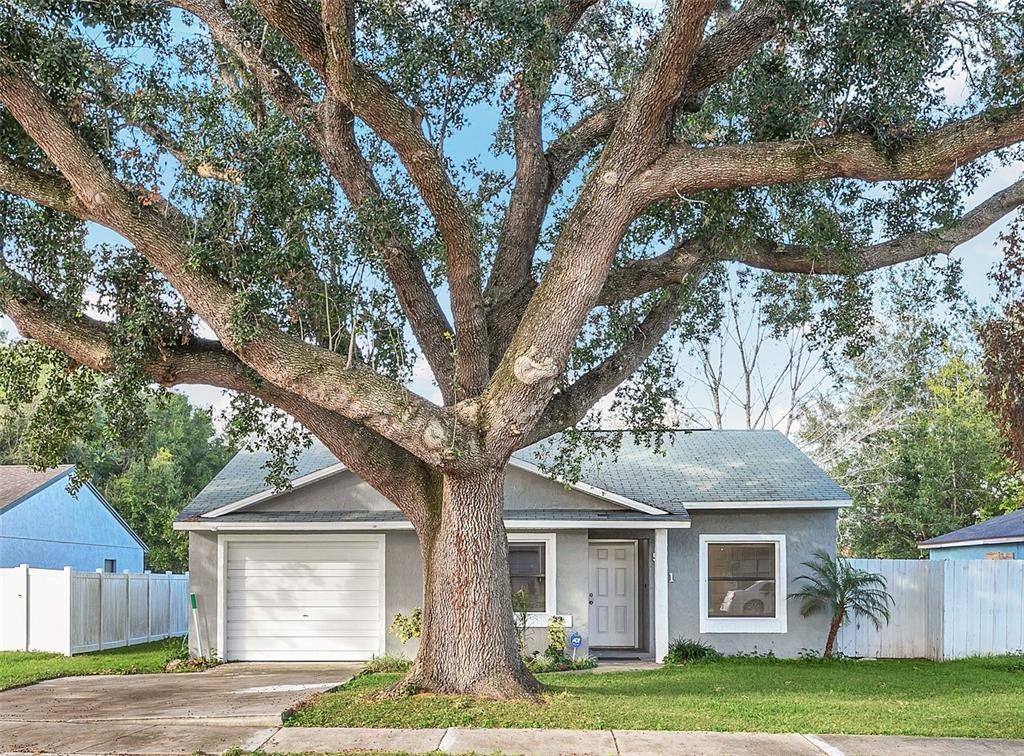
(303, 599)
(286, 597)
(294, 613)
(301, 569)
(354, 552)
(297, 627)
(366, 644)
(312, 582)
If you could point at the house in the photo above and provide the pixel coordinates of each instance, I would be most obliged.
(43, 525)
(999, 538)
(701, 540)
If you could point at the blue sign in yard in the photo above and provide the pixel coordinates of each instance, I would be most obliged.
(575, 640)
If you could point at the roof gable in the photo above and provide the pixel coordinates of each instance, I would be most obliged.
(19, 482)
(69, 515)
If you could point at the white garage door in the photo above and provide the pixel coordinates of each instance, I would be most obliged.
(316, 598)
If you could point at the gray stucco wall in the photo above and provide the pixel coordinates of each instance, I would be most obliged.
(202, 580)
(346, 493)
(805, 530)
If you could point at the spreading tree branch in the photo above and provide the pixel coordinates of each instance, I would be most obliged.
(390, 469)
(330, 129)
(645, 121)
(158, 231)
(511, 280)
(721, 53)
(571, 404)
(933, 155)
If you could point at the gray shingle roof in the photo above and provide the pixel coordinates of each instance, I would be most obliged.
(1005, 526)
(244, 475)
(744, 467)
(706, 466)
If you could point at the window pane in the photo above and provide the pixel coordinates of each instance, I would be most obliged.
(741, 579)
(527, 572)
(741, 598)
(534, 589)
(736, 560)
(526, 558)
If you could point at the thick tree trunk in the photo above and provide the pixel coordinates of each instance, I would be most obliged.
(467, 643)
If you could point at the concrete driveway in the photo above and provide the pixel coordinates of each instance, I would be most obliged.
(232, 705)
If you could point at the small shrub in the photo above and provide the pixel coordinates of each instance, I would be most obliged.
(683, 650)
(557, 640)
(406, 628)
(379, 664)
(1016, 661)
(544, 663)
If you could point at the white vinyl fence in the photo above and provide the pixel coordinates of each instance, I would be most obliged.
(946, 609)
(70, 612)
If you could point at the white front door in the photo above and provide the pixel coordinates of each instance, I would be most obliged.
(613, 601)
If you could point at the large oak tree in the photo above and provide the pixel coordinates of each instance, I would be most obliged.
(534, 196)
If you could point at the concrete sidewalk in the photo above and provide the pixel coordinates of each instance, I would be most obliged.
(620, 743)
(189, 737)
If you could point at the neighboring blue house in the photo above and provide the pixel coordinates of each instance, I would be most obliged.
(999, 538)
(42, 525)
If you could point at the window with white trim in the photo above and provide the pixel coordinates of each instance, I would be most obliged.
(526, 569)
(742, 583)
(531, 563)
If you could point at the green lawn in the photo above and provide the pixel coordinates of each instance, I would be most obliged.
(970, 698)
(20, 668)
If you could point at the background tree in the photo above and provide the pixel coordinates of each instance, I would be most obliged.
(1002, 337)
(909, 435)
(756, 364)
(287, 185)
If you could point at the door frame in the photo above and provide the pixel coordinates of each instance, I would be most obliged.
(637, 644)
(225, 539)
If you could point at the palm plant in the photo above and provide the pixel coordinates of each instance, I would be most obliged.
(836, 586)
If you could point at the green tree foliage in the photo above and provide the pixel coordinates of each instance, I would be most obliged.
(912, 439)
(147, 481)
(842, 591)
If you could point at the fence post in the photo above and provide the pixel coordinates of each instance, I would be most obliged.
(69, 586)
(25, 588)
(149, 605)
(99, 604)
(170, 603)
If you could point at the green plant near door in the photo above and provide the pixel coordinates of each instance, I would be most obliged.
(836, 586)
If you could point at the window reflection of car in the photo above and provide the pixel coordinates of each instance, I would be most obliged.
(750, 601)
